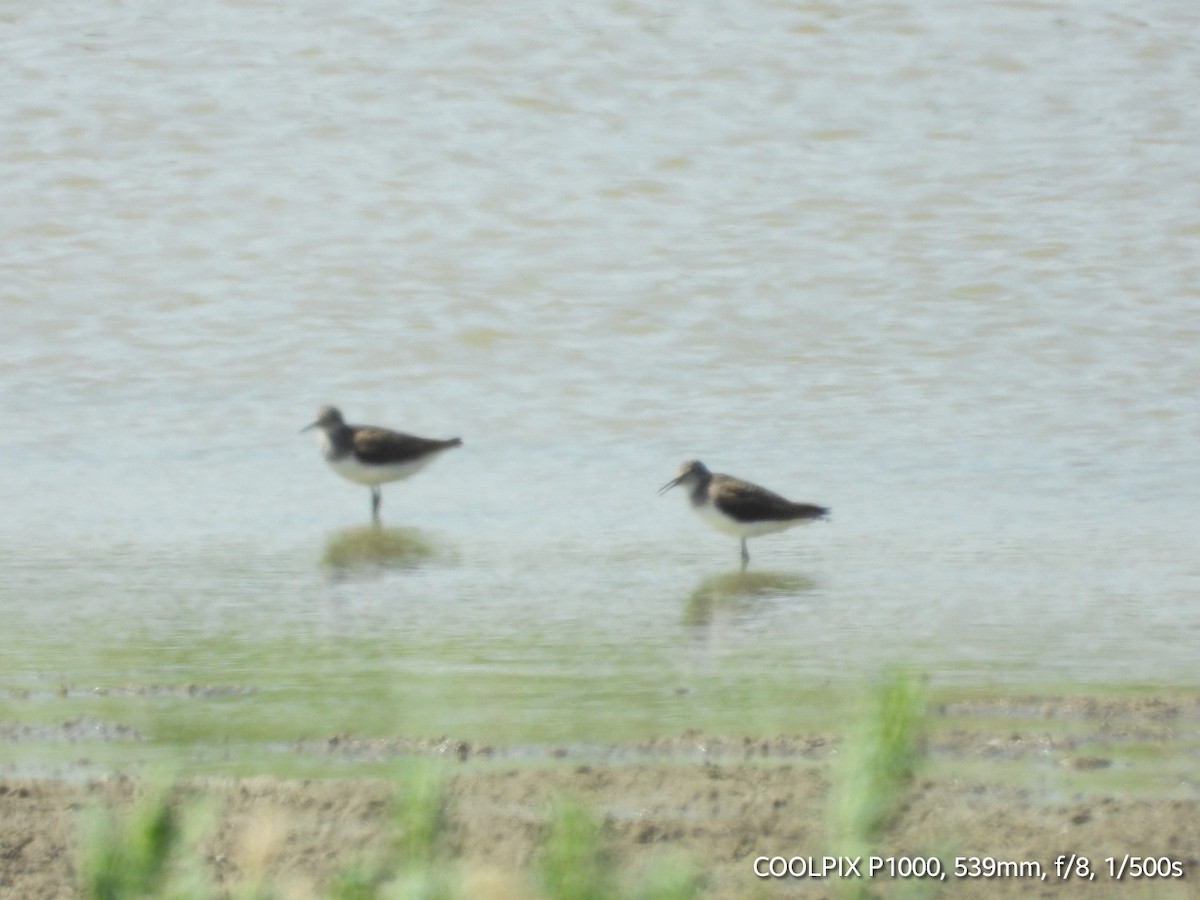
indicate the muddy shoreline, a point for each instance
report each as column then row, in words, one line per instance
column 1004, row 790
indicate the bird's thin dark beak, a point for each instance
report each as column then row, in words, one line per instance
column 309, row 427
column 670, row 484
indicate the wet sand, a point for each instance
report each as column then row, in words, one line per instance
column 1011, row 793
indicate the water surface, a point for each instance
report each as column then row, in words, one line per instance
column 933, row 265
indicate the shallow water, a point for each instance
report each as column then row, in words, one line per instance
column 933, row 265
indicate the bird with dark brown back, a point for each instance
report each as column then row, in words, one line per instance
column 366, row 454
column 738, row 507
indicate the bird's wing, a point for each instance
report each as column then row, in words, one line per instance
column 381, row 446
column 750, row 503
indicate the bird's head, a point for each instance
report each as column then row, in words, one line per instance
column 691, row 473
column 328, row 418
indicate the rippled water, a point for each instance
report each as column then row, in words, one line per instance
column 932, row 264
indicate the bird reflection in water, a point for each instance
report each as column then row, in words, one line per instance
column 371, row 547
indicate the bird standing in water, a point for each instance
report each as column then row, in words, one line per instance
column 373, row 456
column 738, row 507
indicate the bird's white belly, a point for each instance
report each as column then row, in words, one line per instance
column 352, row 470
column 722, row 522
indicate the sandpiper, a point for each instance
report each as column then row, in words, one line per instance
column 373, row 456
column 738, row 507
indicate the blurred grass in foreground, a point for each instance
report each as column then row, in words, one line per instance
column 877, row 765
column 156, row 849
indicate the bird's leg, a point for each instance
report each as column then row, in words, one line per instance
column 376, row 499
column 745, row 555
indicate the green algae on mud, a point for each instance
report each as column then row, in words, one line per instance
column 1059, row 744
column 234, row 699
